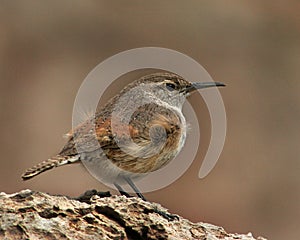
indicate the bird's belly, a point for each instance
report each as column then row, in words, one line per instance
column 105, row 170
column 113, row 170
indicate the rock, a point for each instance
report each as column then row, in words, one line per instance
column 36, row 215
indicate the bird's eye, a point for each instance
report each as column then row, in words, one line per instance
column 170, row 86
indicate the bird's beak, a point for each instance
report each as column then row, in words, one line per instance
column 200, row 85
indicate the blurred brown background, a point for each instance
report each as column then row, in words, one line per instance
column 47, row 49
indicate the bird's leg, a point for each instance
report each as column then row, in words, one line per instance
column 136, row 190
column 168, row 216
column 121, row 190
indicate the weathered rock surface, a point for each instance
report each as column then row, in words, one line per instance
column 37, row 215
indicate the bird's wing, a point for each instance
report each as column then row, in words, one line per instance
column 128, row 145
column 91, row 135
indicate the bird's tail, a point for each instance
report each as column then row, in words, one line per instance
column 49, row 164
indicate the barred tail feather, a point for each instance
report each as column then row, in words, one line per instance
column 49, row 164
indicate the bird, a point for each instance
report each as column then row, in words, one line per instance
column 138, row 131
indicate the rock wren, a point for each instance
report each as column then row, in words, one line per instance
column 156, row 130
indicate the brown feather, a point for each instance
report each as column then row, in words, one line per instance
column 48, row 164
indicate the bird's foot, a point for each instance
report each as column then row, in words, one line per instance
column 123, row 193
column 166, row 215
column 86, row 197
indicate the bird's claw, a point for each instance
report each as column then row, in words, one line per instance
column 166, row 215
